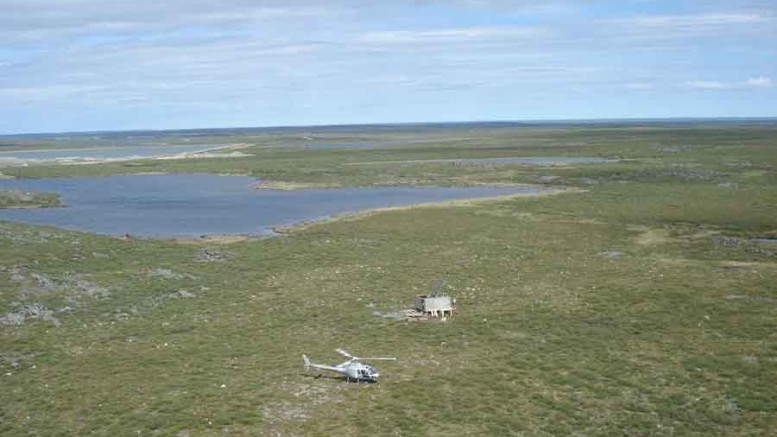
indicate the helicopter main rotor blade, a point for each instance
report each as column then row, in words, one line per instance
column 345, row 353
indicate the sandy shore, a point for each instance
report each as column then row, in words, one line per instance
column 291, row 186
column 206, row 152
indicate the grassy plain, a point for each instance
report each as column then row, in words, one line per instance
column 642, row 305
column 28, row 199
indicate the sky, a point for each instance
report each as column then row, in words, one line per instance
column 85, row 65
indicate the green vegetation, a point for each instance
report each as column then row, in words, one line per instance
column 643, row 305
column 27, row 199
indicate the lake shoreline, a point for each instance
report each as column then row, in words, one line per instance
column 285, row 230
column 205, row 152
column 358, row 215
column 199, row 206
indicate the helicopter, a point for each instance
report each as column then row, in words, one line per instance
column 353, row 369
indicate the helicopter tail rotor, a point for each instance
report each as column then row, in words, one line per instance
column 307, row 362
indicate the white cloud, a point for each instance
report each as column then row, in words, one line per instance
column 35, row 21
column 40, row 94
column 449, row 35
column 696, row 20
column 760, row 82
column 755, row 82
column 638, row 86
column 103, row 56
column 648, row 29
column 708, row 85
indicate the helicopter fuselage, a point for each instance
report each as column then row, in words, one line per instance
column 360, row 372
column 353, row 369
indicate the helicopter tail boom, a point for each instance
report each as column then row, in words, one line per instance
column 309, row 365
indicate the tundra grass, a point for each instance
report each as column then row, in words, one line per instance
column 28, row 199
column 681, row 152
column 640, row 306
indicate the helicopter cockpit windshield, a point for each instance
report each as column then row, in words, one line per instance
column 369, row 372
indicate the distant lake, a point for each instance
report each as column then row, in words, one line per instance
column 102, row 152
column 522, row 160
column 375, row 144
column 197, row 204
column 355, row 145
column 530, row 160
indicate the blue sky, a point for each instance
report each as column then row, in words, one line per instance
column 77, row 65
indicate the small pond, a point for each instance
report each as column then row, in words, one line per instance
column 198, row 204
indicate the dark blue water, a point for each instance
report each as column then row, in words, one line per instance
column 197, row 204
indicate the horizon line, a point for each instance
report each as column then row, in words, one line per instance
column 405, row 123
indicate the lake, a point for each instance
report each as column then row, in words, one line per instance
column 192, row 205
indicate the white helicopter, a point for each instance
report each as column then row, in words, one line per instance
column 353, row 369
